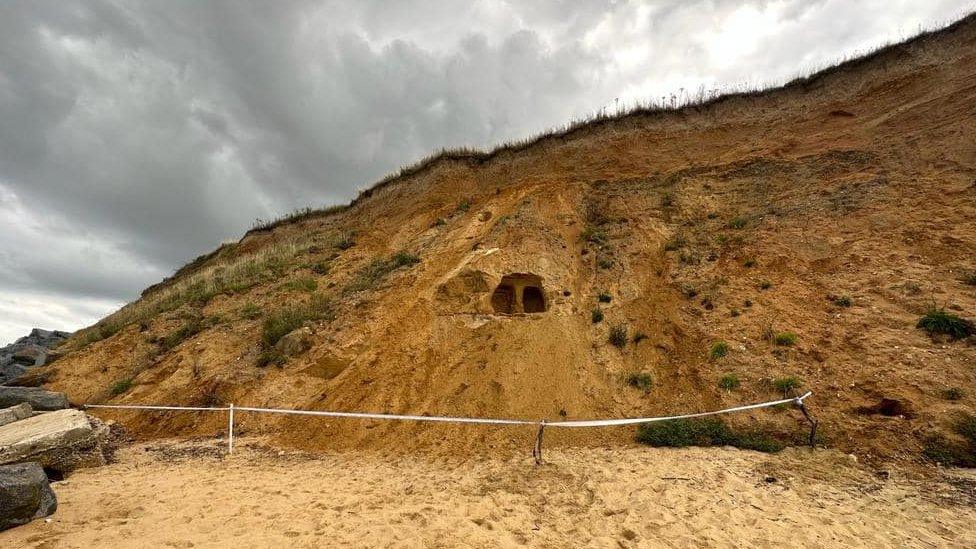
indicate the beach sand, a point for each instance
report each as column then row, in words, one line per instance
column 188, row 494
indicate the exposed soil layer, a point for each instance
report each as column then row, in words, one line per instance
column 808, row 228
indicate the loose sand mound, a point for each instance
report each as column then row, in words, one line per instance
column 185, row 495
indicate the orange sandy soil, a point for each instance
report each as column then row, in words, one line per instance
column 169, row 494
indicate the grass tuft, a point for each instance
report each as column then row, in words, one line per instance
column 729, row 382
column 680, row 433
column 940, row 321
column 787, row 384
column 596, row 316
column 287, row 319
column 641, row 381
column 120, row 386
column 785, row 339
column 604, row 297
column 618, row 336
column 719, row 349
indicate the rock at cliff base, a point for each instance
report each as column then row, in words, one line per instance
column 15, row 413
column 39, row 399
column 60, row 441
column 25, row 494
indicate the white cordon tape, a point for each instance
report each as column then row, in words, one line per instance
column 447, row 419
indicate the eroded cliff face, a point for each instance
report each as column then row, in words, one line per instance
column 837, row 210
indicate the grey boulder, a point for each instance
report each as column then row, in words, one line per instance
column 15, row 413
column 25, row 494
column 39, row 399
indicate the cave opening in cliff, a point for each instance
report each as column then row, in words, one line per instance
column 519, row 293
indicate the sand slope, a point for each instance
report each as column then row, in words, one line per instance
column 185, row 495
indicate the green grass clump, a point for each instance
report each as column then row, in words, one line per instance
column 749, row 263
column 618, row 336
column 729, row 382
column 373, row 273
column 250, row 311
column 604, row 297
column 940, row 321
column 301, row 284
column 953, row 393
column 765, row 285
column 190, row 328
column 286, row 319
column 596, row 316
column 674, row 244
column 604, row 262
column 638, row 337
column 271, row 357
column 954, row 452
column 595, row 236
column 842, row 301
column 320, row 268
column 641, row 381
column 785, row 339
column 719, row 349
column 969, row 278
column 463, row 206
column 120, row 386
column 345, row 242
column 739, row 222
column 787, row 384
column 680, row 433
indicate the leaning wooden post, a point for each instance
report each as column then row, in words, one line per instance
column 813, row 422
column 537, row 450
column 230, row 429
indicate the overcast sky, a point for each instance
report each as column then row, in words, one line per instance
column 135, row 136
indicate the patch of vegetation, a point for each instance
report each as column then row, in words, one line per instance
column 463, row 206
column 190, row 328
column 765, row 285
column 120, row 386
column 250, row 311
column 749, row 263
column 320, row 268
column 604, row 262
column 738, row 222
column 373, row 273
column 785, row 339
column 667, row 200
column 638, row 337
column 956, row 453
column 618, row 336
column 439, row 222
column 953, row 393
column 939, row 321
column 787, row 384
column 596, row 316
column 301, row 284
column 286, row 319
column 734, row 312
column 604, row 297
column 969, row 278
column 729, row 382
column 841, row 300
column 595, row 236
column 719, row 349
column 675, row 243
column 641, row 381
column 680, row 433
column 271, row 357
column 345, row 242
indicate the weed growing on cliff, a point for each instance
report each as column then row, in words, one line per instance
column 286, row 319
column 638, row 337
column 618, row 336
column 120, row 386
column 841, row 300
column 596, row 316
column 969, row 278
column 765, row 285
column 463, row 206
column 953, row 393
column 939, row 321
column 738, row 222
column 785, row 339
column 718, row 350
column 345, row 241
column 680, row 433
column 675, row 243
column 604, row 297
column 641, row 381
column 373, row 273
column 250, row 311
column 320, row 268
column 955, row 453
column 301, row 284
column 729, row 382
column 190, row 328
column 787, row 384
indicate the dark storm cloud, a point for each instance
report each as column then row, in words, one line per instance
column 136, row 135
